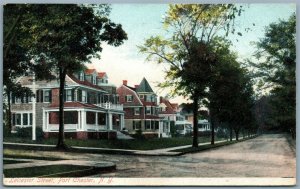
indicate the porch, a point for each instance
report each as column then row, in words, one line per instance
column 83, row 120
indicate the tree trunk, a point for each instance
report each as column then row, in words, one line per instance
column 8, row 112
column 236, row 135
column 195, row 120
column 231, row 133
column 61, row 137
column 212, row 126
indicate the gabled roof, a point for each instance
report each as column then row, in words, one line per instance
column 101, row 74
column 89, row 71
column 86, row 83
column 169, row 108
column 144, row 87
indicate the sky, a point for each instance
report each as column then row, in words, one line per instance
column 141, row 21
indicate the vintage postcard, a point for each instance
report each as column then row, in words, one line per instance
column 149, row 94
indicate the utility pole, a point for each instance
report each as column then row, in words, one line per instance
column 33, row 108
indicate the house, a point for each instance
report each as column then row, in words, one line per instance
column 141, row 109
column 183, row 127
column 91, row 106
column 167, row 114
column 203, row 125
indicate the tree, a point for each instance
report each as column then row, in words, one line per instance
column 16, row 60
column 230, row 98
column 275, row 71
column 191, row 27
column 67, row 36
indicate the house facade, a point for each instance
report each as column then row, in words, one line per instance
column 141, row 109
column 167, row 114
column 91, row 106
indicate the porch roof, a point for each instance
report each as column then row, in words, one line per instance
column 74, row 105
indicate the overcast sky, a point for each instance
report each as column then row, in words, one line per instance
column 140, row 21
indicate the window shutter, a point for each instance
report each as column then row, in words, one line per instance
column 13, row 119
column 79, row 95
column 88, row 97
column 42, row 95
column 50, row 96
column 65, row 94
column 126, row 98
column 13, row 99
column 37, row 96
column 73, row 95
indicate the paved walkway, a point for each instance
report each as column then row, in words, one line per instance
column 156, row 152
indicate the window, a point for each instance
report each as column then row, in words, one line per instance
column 30, row 99
column 90, row 118
column 83, row 96
column 148, row 110
column 118, row 99
column 101, row 119
column 70, row 117
column 136, row 125
column 47, row 94
column 141, row 96
column 18, row 119
column 18, row 100
column 129, row 98
column 156, row 125
column 25, row 119
column 94, row 79
column 81, row 76
column 148, row 124
column 68, row 95
column 30, row 119
column 148, row 98
column 136, row 111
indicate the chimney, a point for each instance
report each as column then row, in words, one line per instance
column 160, row 99
column 136, row 86
column 124, row 82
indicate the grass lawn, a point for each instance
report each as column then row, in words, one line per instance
column 42, row 171
column 135, row 144
column 5, row 161
column 207, row 146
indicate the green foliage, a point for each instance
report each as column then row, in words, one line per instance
column 231, row 95
column 188, row 51
column 275, row 71
column 27, row 133
column 138, row 134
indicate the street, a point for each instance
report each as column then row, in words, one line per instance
column 264, row 156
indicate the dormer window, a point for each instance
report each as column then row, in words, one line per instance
column 94, row 79
column 129, row 98
column 81, row 76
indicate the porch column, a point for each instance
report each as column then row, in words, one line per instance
column 96, row 122
column 83, row 120
column 121, row 121
column 109, row 121
column 79, row 119
column 160, row 123
column 44, row 120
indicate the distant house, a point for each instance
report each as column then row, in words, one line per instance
column 91, row 106
column 141, row 109
column 204, row 125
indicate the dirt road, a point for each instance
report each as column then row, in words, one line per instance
column 264, row 156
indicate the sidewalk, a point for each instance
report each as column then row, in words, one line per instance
column 156, row 152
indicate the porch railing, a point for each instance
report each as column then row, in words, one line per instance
column 109, row 105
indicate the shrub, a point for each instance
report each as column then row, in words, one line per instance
column 27, row 132
column 138, row 134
